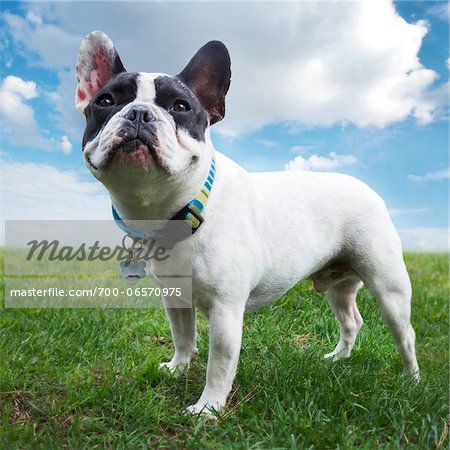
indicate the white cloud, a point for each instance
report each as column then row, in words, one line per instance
column 437, row 175
column 18, row 119
column 34, row 18
column 65, row 145
column 316, row 162
column 317, row 63
column 17, row 86
column 39, row 191
column 49, row 44
column 425, row 239
column 425, row 112
column 441, row 10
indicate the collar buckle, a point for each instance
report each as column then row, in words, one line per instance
column 183, row 213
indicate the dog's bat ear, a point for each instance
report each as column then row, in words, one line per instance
column 97, row 63
column 208, row 74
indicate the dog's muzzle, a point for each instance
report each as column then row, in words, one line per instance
column 138, row 128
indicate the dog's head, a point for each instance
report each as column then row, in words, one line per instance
column 148, row 122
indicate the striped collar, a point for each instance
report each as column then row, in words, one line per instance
column 190, row 215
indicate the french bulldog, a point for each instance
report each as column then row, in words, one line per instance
column 147, row 139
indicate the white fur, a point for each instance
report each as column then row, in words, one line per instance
column 146, row 87
column 263, row 233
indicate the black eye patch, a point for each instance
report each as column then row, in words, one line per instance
column 123, row 90
column 170, row 90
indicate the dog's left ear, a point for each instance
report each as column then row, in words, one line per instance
column 208, row 74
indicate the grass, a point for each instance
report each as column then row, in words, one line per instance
column 88, row 378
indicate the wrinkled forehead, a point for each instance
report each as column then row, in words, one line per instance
column 148, row 87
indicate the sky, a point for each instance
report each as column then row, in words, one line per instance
column 358, row 88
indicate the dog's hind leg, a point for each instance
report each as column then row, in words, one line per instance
column 383, row 271
column 342, row 300
column 391, row 286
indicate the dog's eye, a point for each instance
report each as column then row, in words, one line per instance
column 105, row 100
column 180, row 106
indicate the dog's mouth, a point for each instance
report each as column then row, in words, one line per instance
column 135, row 152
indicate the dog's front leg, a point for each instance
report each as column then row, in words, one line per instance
column 225, row 334
column 183, row 327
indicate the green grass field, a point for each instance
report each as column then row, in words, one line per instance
column 88, row 378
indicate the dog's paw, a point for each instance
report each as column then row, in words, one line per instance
column 342, row 350
column 173, row 367
column 413, row 375
column 179, row 364
column 336, row 356
column 203, row 411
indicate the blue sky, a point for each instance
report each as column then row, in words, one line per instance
column 365, row 95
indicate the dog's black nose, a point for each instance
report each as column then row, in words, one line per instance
column 139, row 114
